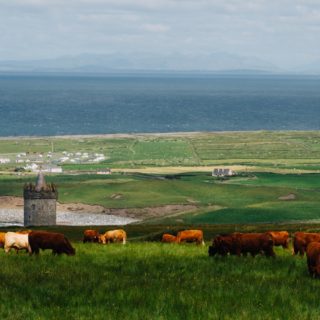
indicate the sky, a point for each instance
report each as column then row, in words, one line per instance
column 285, row 33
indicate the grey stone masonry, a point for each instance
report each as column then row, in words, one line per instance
column 40, row 203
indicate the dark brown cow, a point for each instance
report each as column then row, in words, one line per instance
column 280, row 238
column 242, row 243
column 254, row 243
column 168, row 238
column 90, row 236
column 223, row 244
column 301, row 241
column 50, row 240
column 190, row 236
column 313, row 259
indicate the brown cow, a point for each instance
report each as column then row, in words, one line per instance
column 24, row 231
column 254, row 243
column 190, row 236
column 168, row 238
column 90, row 236
column 50, row 240
column 242, row 243
column 223, row 244
column 280, row 238
column 301, row 241
column 313, row 259
column 2, row 238
column 118, row 235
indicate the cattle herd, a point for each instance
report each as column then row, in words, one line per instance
column 236, row 243
column 33, row 241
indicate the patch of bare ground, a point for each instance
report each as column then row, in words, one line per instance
column 10, row 202
column 290, row 196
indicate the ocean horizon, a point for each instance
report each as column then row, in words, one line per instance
column 61, row 105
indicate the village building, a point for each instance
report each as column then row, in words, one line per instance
column 223, row 172
column 40, row 203
column 105, row 171
column 4, row 160
column 51, row 169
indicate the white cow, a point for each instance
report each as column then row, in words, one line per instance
column 17, row 241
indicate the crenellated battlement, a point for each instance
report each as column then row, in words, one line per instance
column 49, row 191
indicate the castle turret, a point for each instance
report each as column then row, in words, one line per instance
column 40, row 203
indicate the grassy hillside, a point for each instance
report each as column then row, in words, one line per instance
column 155, row 281
column 248, row 199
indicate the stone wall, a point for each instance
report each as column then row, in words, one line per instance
column 40, row 212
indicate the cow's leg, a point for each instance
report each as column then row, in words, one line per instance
column 7, row 249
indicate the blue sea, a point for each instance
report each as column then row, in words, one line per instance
column 45, row 105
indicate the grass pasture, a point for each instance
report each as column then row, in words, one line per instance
column 271, row 150
column 146, row 280
column 255, row 198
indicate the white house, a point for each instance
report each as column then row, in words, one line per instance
column 106, row 171
column 5, row 160
column 223, row 172
column 51, row 169
column 33, row 167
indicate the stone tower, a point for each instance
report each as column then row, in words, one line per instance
column 40, row 203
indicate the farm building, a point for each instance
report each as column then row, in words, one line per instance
column 106, row 171
column 4, row 160
column 223, row 172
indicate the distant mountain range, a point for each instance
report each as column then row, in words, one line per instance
column 145, row 62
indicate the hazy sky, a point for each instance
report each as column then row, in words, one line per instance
column 284, row 32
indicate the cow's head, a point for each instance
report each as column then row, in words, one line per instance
column 71, row 252
column 102, row 239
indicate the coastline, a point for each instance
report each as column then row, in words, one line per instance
column 147, row 134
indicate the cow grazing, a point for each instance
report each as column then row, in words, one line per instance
column 190, row 236
column 24, row 231
column 254, row 243
column 242, row 243
column 111, row 236
column 223, row 244
column 57, row 242
column 16, row 241
column 280, row 238
column 313, row 259
column 90, row 236
column 301, row 241
column 168, row 238
column 2, row 234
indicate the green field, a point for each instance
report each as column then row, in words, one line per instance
column 272, row 165
column 144, row 280
column 255, row 198
column 275, row 150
